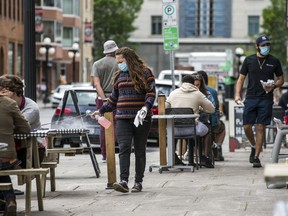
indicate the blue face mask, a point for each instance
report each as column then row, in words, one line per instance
column 264, row 50
column 123, row 66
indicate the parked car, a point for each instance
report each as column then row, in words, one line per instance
column 162, row 87
column 178, row 75
column 72, row 120
column 58, row 93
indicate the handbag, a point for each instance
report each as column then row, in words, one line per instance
column 201, row 129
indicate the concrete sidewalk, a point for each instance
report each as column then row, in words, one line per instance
column 233, row 187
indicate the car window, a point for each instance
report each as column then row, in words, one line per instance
column 169, row 76
column 164, row 89
column 84, row 99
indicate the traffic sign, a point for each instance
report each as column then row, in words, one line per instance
column 169, row 15
column 171, row 38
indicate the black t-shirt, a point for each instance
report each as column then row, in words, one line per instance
column 251, row 67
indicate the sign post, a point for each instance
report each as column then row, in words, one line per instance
column 170, row 32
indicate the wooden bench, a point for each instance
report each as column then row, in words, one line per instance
column 39, row 172
column 66, row 151
column 5, row 186
column 51, row 166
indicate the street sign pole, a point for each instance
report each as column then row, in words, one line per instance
column 170, row 32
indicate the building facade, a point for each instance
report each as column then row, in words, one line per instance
column 64, row 22
column 11, row 37
column 204, row 26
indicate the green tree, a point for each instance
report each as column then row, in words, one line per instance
column 274, row 25
column 113, row 20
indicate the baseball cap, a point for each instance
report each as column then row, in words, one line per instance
column 110, row 46
column 262, row 40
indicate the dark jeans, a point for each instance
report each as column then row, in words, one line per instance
column 21, row 155
column 6, row 194
column 126, row 132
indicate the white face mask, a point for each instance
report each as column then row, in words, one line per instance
column 123, row 66
column 264, row 50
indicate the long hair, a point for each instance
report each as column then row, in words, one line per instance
column 136, row 68
column 202, row 87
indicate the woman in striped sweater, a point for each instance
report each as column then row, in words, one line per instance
column 132, row 97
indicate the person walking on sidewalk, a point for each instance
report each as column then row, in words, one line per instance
column 132, row 97
column 260, row 67
column 102, row 72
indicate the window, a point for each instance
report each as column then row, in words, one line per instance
column 11, row 58
column 48, row 30
column 71, row 7
column 253, row 25
column 37, row 2
column 58, row 35
column 49, row 3
column 68, row 6
column 67, row 37
column 19, row 60
column 156, row 28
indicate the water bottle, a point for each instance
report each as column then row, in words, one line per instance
column 103, row 121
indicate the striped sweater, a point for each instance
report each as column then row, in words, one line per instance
column 126, row 100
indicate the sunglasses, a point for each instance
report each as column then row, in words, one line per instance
column 197, row 77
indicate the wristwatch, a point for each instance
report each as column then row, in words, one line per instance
column 274, row 86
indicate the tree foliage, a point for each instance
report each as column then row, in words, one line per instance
column 274, row 25
column 113, row 20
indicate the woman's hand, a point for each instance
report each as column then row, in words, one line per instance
column 95, row 114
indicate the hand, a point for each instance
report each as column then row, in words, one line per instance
column 268, row 88
column 95, row 115
column 141, row 114
column 238, row 100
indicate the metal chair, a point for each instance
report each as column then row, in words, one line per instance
column 278, row 113
column 186, row 129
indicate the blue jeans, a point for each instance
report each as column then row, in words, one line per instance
column 126, row 132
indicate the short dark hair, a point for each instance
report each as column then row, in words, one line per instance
column 188, row 79
column 204, row 75
column 13, row 83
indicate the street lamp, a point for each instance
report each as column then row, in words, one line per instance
column 46, row 48
column 73, row 53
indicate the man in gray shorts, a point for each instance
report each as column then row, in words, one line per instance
column 102, row 73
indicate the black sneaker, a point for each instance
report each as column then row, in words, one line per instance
column 137, row 187
column 121, row 187
column 252, row 155
column 218, row 156
column 206, row 162
column 256, row 162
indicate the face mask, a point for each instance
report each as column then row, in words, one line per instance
column 264, row 50
column 123, row 66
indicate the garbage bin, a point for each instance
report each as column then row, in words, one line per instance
column 229, row 93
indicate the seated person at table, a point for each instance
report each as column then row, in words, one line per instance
column 218, row 126
column 29, row 109
column 12, row 121
column 189, row 95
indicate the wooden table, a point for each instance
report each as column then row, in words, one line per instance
column 171, row 141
